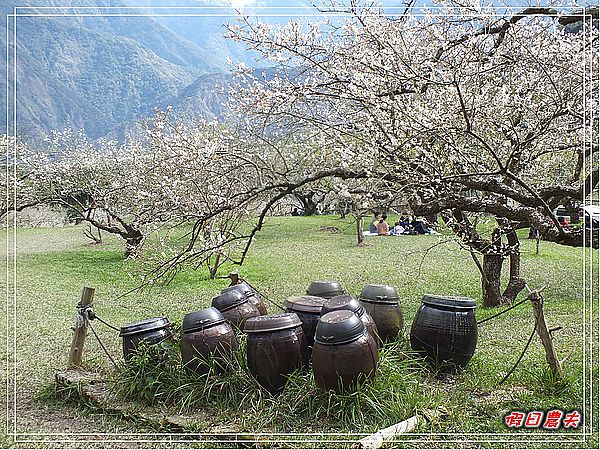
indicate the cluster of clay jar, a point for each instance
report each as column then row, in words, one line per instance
column 333, row 333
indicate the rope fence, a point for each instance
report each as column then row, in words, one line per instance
column 87, row 314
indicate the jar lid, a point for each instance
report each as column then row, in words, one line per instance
column 342, row 302
column 379, row 293
column 449, row 301
column 272, row 322
column 228, row 300
column 143, row 326
column 326, row 289
column 304, row 303
column 243, row 287
column 339, row 327
column 202, row 319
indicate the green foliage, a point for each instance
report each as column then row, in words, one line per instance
column 149, row 373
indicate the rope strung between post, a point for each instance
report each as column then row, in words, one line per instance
column 106, row 323
column 87, row 314
column 102, row 345
column 526, row 345
column 90, row 314
column 502, row 312
column 264, row 296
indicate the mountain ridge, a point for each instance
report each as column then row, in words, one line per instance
column 94, row 73
column 103, row 74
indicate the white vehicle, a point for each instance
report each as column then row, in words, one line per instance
column 592, row 216
column 560, row 210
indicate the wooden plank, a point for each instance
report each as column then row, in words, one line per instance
column 377, row 440
column 80, row 329
column 544, row 333
column 71, row 377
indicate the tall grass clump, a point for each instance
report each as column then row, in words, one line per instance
column 155, row 375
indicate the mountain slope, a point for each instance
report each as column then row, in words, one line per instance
column 103, row 69
column 95, row 72
column 89, row 79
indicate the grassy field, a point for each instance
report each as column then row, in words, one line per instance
column 53, row 265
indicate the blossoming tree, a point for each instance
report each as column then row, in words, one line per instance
column 161, row 182
column 467, row 111
column 464, row 112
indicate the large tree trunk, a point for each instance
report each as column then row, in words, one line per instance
column 494, row 253
column 515, row 283
column 309, row 205
column 343, row 212
column 133, row 244
column 214, row 267
column 490, row 280
column 360, row 237
column 492, row 269
column 574, row 213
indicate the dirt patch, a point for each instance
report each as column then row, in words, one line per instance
column 499, row 397
column 330, row 229
column 57, row 425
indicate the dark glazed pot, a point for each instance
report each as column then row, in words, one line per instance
column 344, row 352
column 308, row 310
column 250, row 294
column 149, row 331
column 235, row 307
column 276, row 348
column 325, row 289
column 383, row 305
column 206, row 335
column 349, row 303
column 445, row 330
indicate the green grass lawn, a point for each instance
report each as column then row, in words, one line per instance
column 54, row 264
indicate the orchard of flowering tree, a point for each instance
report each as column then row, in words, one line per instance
column 486, row 121
column 458, row 111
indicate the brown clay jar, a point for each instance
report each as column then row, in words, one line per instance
column 235, row 307
column 146, row 332
column 444, row 331
column 276, row 347
column 381, row 302
column 325, row 289
column 344, row 352
column 250, row 294
column 207, row 340
column 349, row 303
column 308, row 310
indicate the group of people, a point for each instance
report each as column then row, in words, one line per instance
column 403, row 226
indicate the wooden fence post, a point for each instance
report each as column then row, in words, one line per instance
column 545, row 336
column 80, row 329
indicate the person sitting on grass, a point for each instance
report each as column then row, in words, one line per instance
column 373, row 224
column 419, row 227
column 383, row 229
column 397, row 230
column 403, row 222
